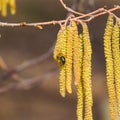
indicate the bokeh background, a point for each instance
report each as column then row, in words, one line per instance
column 43, row 101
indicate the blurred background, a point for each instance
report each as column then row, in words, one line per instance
column 19, row 44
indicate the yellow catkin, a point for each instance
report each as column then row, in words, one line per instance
column 62, row 80
column 69, row 59
column 86, row 75
column 79, row 101
column 60, row 51
column 76, row 63
column 12, row 6
column 118, row 22
column 4, row 4
column 109, row 67
column 4, row 7
column 79, row 87
column 116, row 60
column 0, row 5
column 57, row 48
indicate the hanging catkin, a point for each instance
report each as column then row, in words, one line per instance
column 12, row 6
column 109, row 67
column 76, row 57
column 59, row 56
column 57, row 48
column 116, row 60
column 4, row 7
column 79, row 86
column 4, row 4
column 86, row 75
column 69, row 58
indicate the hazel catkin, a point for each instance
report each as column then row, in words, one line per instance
column 69, row 56
column 12, row 6
column 4, row 4
column 59, row 53
column 86, row 75
column 109, row 66
column 116, row 61
column 76, row 63
column 79, row 86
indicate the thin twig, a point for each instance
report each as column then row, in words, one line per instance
column 27, row 64
column 95, row 13
column 4, row 67
column 28, row 83
column 69, row 9
column 103, row 11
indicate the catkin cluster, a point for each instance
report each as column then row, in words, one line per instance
column 112, row 57
column 4, row 4
column 73, row 53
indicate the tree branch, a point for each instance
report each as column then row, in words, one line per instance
column 96, row 13
column 74, row 7
column 28, row 83
column 27, row 64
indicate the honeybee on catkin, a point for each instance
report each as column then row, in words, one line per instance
column 73, row 53
column 60, row 56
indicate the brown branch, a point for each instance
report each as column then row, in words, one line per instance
column 4, row 67
column 27, row 64
column 29, row 83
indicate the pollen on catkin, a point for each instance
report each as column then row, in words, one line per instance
column 116, row 62
column 79, row 86
column 86, row 73
column 76, row 63
column 109, row 67
column 69, row 59
column 60, row 51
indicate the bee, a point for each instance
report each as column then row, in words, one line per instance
column 61, row 59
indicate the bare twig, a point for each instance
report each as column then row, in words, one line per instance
column 73, row 7
column 4, row 67
column 29, row 83
column 27, row 64
column 95, row 13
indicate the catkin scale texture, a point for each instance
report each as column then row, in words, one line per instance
column 76, row 63
column 116, row 60
column 57, row 48
column 60, row 50
column 109, row 67
column 79, row 86
column 69, row 59
column 86, row 75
